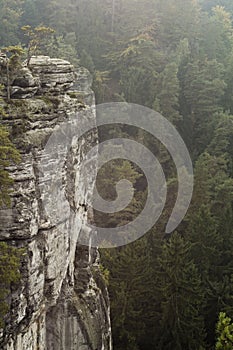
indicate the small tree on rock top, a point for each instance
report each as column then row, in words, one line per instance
column 37, row 38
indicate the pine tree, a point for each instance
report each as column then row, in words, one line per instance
column 202, row 89
column 210, row 230
column 12, row 66
column 131, row 292
column 171, row 30
column 214, row 186
column 167, row 98
column 136, row 61
column 10, row 12
column 30, row 13
column 217, row 37
column 227, row 99
column 206, row 240
column 181, row 298
column 37, row 37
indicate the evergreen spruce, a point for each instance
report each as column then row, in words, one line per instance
column 181, row 296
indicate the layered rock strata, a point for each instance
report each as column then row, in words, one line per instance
column 61, row 302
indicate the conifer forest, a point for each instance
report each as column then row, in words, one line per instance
column 167, row 291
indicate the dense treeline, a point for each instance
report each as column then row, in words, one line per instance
column 176, row 57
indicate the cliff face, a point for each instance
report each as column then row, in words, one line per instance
column 62, row 301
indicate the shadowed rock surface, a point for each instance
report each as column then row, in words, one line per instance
column 62, row 302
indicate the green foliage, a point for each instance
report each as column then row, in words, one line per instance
column 62, row 46
column 105, row 274
column 227, row 99
column 218, row 39
column 167, row 98
column 37, row 37
column 10, row 12
column 136, row 62
column 215, row 186
column 87, row 61
column 30, row 13
column 9, row 274
column 100, row 79
column 206, row 241
column 107, row 179
column 203, row 86
column 130, row 286
column 208, row 5
column 179, row 19
column 182, row 326
column 224, row 332
column 8, row 156
column 174, row 56
column 13, row 65
column 9, row 256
